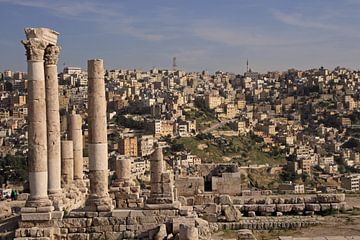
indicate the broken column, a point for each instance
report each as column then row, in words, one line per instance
column 53, row 121
column 123, row 172
column 75, row 134
column 124, row 190
column 161, row 181
column 98, row 199
column 67, row 162
column 37, row 40
column 156, row 169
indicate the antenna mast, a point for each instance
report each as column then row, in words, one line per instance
column 174, row 63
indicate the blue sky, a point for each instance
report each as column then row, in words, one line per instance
column 202, row 34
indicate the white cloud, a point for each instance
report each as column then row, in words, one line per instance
column 242, row 36
column 65, row 8
column 327, row 21
column 299, row 20
column 107, row 18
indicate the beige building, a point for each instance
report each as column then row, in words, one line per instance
column 351, row 182
column 212, row 101
column 241, row 104
column 241, row 127
column 230, row 111
column 305, row 165
column 163, row 128
column 128, row 146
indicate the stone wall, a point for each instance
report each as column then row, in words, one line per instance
column 118, row 224
column 272, row 223
column 223, row 208
column 189, row 186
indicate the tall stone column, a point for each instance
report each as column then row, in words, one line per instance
column 37, row 139
column 67, row 162
column 75, row 134
column 53, row 120
column 99, row 199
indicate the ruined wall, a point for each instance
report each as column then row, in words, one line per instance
column 228, row 183
column 118, row 224
column 223, row 208
column 189, row 186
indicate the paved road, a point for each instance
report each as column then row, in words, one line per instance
column 217, row 125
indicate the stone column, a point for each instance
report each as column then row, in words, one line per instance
column 156, row 169
column 37, row 140
column 53, row 120
column 75, row 134
column 123, row 172
column 161, row 181
column 99, row 199
column 67, row 162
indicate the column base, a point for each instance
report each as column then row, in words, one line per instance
column 37, row 210
column 38, row 202
column 98, row 204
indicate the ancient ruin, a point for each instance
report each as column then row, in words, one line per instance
column 175, row 208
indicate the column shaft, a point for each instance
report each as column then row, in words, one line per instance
column 53, row 120
column 37, row 131
column 98, row 152
column 75, row 134
column 37, row 139
column 156, row 169
column 123, row 169
column 67, row 162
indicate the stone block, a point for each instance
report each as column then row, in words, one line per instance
column 252, row 207
column 210, row 217
column 185, row 210
column 313, row 207
column 114, row 235
column 76, row 214
column 267, row 208
column 121, row 213
column 74, row 222
column 129, row 235
column 57, row 215
column 28, row 210
column 45, row 209
column 36, row 216
column 100, row 221
column 325, row 206
column 225, row 200
column 212, row 208
column 105, row 214
column 284, row 207
column 331, row 198
column 298, row 207
column 232, row 214
column 181, row 220
column 188, row 232
column 91, row 214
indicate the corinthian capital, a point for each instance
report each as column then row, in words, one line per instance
column 52, row 55
column 35, row 49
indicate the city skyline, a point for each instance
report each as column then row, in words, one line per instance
column 274, row 35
